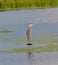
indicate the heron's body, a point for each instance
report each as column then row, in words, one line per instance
column 28, row 33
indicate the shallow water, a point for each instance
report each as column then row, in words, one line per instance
column 9, row 46
column 17, row 21
column 36, row 58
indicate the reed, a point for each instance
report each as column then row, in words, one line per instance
column 26, row 4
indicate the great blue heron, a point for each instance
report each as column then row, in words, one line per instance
column 28, row 33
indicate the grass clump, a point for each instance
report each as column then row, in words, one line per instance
column 6, row 31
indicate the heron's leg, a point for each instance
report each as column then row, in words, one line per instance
column 29, row 40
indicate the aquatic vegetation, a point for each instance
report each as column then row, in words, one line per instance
column 22, row 4
column 6, row 31
column 48, row 39
column 44, row 39
column 32, row 49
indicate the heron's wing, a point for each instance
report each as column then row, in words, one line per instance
column 27, row 31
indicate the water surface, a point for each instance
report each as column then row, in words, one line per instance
column 17, row 21
column 43, row 58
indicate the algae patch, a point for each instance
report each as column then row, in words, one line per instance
column 6, row 31
column 32, row 49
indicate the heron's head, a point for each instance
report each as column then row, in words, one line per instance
column 30, row 25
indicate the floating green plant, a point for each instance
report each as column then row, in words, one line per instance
column 6, row 31
column 32, row 49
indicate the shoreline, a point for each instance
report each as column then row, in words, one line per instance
column 33, row 8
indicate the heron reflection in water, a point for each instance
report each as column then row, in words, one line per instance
column 28, row 33
column 30, row 58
